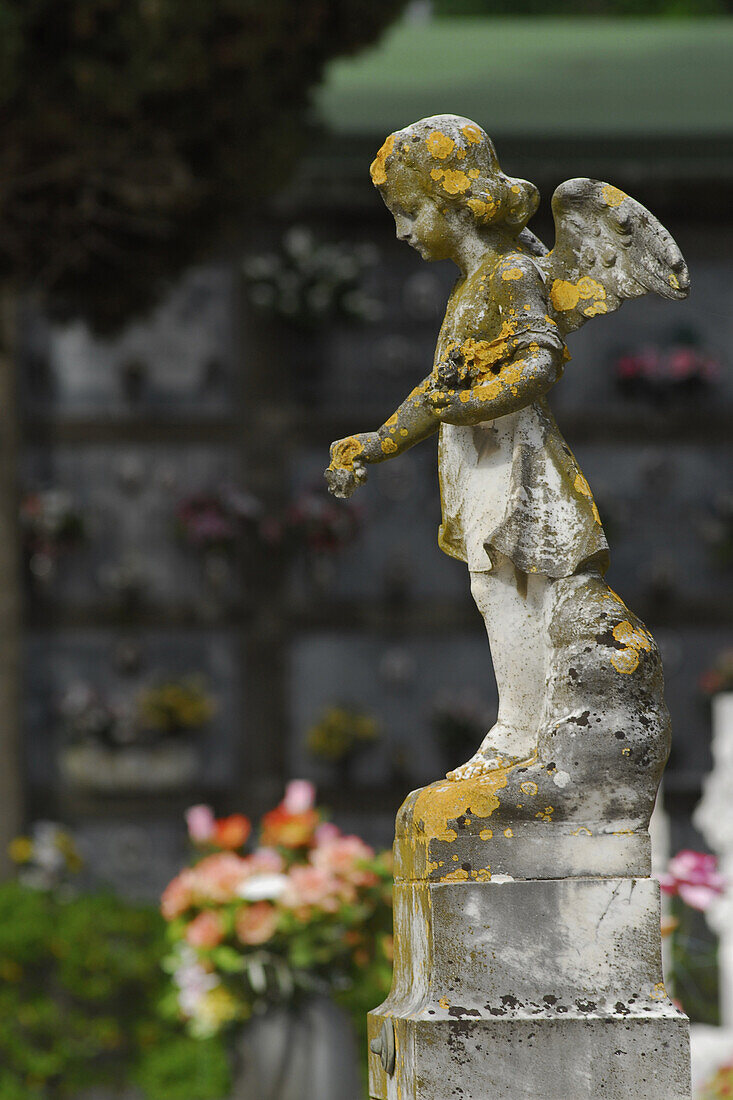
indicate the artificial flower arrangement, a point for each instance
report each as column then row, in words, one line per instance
column 694, row 878
column 340, row 735
column 660, row 373
column 307, row 282
column 692, row 882
column 176, row 705
column 51, row 524
column 215, row 519
column 303, row 910
column 143, row 742
column 166, row 708
column 312, row 522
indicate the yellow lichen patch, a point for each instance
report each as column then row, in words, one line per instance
column 444, row 1003
column 528, row 787
column 473, row 173
column 626, row 751
column 483, row 209
column 404, row 431
column 440, row 804
column 486, row 834
column 345, row 453
column 635, row 639
column 508, row 833
column 582, row 831
column 516, row 189
column 378, row 169
column 596, row 308
column 439, row 144
column 459, row 875
column 659, row 991
column 673, row 281
column 472, row 133
column 510, row 273
column 389, row 447
column 391, row 420
column 461, row 154
column 613, row 196
column 455, row 181
column 581, row 486
column 565, row 295
column 483, row 874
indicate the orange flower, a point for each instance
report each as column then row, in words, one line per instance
column 255, row 924
column 205, row 930
column 178, row 895
column 231, row 832
column 281, row 829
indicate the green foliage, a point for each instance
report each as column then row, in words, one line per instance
column 451, row 8
column 185, row 1069
column 135, row 130
column 694, row 969
column 80, row 984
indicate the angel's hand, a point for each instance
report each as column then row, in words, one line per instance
column 349, row 458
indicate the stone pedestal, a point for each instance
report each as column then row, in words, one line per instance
column 527, row 956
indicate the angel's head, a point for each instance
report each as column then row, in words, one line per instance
column 441, row 177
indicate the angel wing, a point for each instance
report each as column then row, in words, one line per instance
column 608, row 247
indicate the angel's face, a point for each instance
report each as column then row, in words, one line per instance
column 418, row 219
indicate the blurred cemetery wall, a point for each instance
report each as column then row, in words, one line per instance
column 176, row 530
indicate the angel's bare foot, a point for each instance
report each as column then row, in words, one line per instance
column 479, row 764
column 516, row 745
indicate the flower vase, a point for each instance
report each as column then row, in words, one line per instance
column 297, row 1053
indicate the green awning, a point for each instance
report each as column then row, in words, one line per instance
column 563, row 77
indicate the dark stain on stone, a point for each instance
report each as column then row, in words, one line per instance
column 621, row 735
column 583, row 720
column 457, row 1012
column 607, row 638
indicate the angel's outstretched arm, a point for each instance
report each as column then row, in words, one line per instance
column 415, row 419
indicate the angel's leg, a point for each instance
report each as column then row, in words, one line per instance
column 513, row 609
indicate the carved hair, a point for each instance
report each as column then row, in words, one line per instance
column 455, row 162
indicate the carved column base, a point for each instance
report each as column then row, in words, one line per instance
column 525, row 969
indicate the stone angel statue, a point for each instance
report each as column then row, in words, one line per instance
column 579, row 676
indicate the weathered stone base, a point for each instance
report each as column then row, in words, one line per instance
column 597, row 1057
column 535, row 989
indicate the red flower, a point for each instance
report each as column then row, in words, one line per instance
column 281, row 829
column 231, row 832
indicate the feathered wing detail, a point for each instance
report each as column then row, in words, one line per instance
column 608, row 247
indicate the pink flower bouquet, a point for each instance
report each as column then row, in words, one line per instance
column 305, row 909
column 693, row 877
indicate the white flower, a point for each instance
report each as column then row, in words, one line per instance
column 263, row 887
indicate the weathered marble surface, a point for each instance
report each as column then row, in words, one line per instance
column 527, row 954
